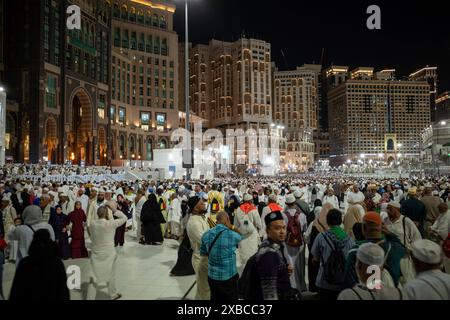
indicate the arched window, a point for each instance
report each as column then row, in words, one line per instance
column 148, row 19
column 155, row 20
column 162, row 23
column 162, row 143
column 116, row 11
column 149, row 149
column 132, row 145
column 132, row 15
column 122, row 144
column 124, row 12
column 390, row 144
column 140, row 17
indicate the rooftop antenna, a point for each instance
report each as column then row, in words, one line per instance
column 321, row 59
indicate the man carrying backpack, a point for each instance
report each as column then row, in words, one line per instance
column 266, row 276
column 296, row 223
column 330, row 249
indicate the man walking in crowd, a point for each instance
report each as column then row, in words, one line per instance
column 415, row 210
column 393, row 248
column 367, row 256
column 331, row 243
column 219, row 244
column 248, row 222
column 431, row 203
column 103, row 254
column 272, row 267
column 407, row 233
column 196, row 227
column 431, row 283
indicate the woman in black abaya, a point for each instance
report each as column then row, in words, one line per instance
column 151, row 218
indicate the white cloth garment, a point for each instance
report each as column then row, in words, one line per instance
column 103, row 254
column 249, row 226
column 333, row 200
column 429, row 285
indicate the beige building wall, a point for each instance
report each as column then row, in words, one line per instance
column 144, row 77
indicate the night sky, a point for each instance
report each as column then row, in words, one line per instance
column 413, row 34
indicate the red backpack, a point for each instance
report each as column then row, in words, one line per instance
column 446, row 246
column 294, row 231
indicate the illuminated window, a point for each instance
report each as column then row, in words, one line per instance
column 160, row 121
column 122, row 115
column 145, row 121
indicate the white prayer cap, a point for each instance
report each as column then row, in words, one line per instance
column 370, row 254
column 435, row 193
column 181, row 188
column 395, row 204
column 94, row 189
column 63, row 194
column 6, row 197
column 273, row 198
column 248, row 197
column 427, row 251
column 298, row 194
column 108, row 191
column 60, row 190
column 290, row 199
column 53, row 193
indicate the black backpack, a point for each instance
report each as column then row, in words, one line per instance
column 334, row 268
column 249, row 284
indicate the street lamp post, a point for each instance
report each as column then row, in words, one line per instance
column 186, row 77
column 2, row 125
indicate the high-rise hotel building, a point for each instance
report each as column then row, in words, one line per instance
column 144, row 78
column 295, row 107
column 230, row 85
column 376, row 119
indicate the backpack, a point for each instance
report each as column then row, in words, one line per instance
column 446, row 246
column 215, row 206
column 162, row 204
column 249, row 284
column 334, row 268
column 294, row 231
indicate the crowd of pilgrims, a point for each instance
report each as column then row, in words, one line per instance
column 321, row 220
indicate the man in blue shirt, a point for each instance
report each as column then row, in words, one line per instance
column 220, row 244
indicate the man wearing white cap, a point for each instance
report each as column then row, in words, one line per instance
column 84, row 199
column 66, row 204
column 248, row 222
column 431, row 283
column 296, row 222
column 370, row 288
column 405, row 229
column 331, row 198
column 431, row 202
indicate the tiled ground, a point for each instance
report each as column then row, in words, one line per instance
column 142, row 273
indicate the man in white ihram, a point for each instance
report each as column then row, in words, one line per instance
column 103, row 254
column 430, row 283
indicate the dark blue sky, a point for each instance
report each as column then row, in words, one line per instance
column 413, row 34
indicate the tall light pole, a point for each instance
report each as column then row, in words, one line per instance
column 186, row 80
column 2, row 125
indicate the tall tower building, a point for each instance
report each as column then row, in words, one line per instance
column 59, row 80
column 144, row 78
column 373, row 120
column 295, row 107
column 429, row 75
column 231, row 84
